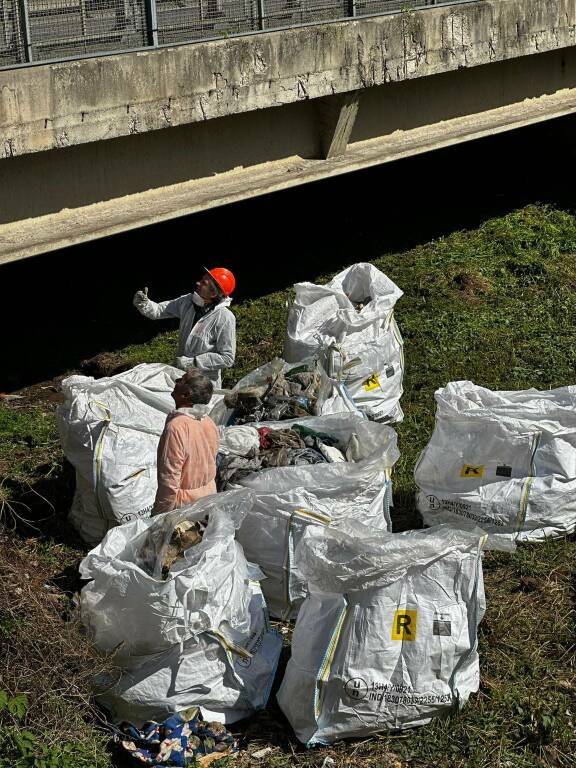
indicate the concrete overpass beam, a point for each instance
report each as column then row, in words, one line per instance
column 97, row 146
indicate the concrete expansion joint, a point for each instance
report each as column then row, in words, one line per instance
column 492, row 43
column 456, row 33
column 302, row 86
column 201, row 100
column 133, row 126
column 519, row 33
column 9, row 148
column 166, row 109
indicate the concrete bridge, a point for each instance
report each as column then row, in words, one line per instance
column 101, row 144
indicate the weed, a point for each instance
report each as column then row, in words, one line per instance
column 20, row 748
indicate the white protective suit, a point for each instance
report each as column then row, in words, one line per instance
column 210, row 344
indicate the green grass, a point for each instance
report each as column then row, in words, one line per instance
column 29, row 439
column 21, row 748
column 496, row 305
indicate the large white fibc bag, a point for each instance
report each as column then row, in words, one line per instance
column 199, row 636
column 503, row 460
column 289, row 499
column 228, row 684
column 360, row 351
column 109, row 430
column 387, row 636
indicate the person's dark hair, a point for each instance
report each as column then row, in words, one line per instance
column 199, row 387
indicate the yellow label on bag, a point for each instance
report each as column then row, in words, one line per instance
column 372, row 382
column 404, row 625
column 468, row 470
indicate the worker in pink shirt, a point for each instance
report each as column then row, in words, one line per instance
column 188, row 446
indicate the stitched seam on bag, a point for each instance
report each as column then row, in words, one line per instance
column 286, row 565
column 526, row 488
column 98, row 457
column 328, row 659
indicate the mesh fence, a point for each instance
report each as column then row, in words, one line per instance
column 368, row 7
column 43, row 30
column 12, row 46
column 288, row 13
column 62, row 28
column 181, row 20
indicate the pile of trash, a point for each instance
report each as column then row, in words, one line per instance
column 343, row 353
column 184, row 738
column 247, row 449
column 348, row 325
column 387, row 636
column 184, row 536
column 190, row 630
column 503, row 460
column 289, row 499
column 274, row 392
column 154, row 549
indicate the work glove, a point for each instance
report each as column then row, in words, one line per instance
column 184, row 362
column 141, row 298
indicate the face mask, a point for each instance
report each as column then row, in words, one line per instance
column 198, row 300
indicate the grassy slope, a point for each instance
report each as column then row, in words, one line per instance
column 497, row 306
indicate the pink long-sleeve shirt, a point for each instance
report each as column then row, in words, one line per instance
column 186, row 460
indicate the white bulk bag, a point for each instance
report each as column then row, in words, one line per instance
column 503, row 460
column 198, row 637
column 228, row 685
column 289, row 499
column 203, row 590
column 387, row 636
column 361, row 352
column 109, row 430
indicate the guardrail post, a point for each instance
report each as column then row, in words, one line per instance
column 24, row 27
column 151, row 22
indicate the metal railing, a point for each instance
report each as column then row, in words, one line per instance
column 34, row 31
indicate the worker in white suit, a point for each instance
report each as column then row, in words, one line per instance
column 207, row 337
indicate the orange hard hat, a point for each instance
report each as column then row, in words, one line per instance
column 223, row 278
